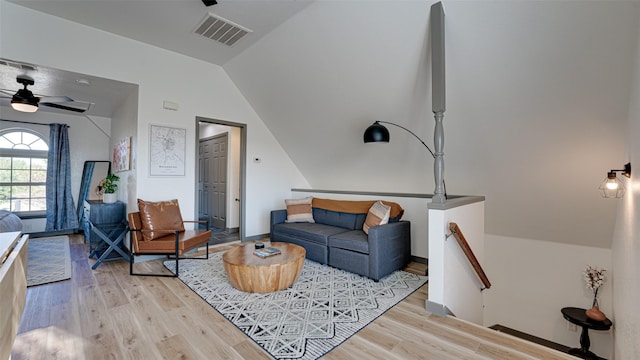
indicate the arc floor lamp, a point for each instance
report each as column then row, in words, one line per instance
column 378, row 133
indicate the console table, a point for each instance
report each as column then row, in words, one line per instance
column 13, row 287
column 579, row 317
column 105, row 227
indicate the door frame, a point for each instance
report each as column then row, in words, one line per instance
column 243, row 168
column 226, row 184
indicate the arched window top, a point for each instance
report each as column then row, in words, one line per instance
column 22, row 139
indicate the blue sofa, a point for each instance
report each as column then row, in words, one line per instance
column 337, row 239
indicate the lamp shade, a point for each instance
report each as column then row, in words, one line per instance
column 612, row 187
column 24, row 101
column 376, row 133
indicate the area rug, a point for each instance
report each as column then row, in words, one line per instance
column 321, row 310
column 49, row 260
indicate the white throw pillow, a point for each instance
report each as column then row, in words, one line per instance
column 378, row 215
column 299, row 210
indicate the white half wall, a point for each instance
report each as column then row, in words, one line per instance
column 532, row 280
column 453, row 282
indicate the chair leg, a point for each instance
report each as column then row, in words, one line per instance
column 131, row 254
column 145, row 274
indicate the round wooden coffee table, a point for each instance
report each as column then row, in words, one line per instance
column 251, row 273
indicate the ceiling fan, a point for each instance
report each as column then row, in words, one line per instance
column 24, row 100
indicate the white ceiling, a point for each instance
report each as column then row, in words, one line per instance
column 168, row 24
column 537, row 95
column 103, row 95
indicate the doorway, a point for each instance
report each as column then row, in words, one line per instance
column 220, row 177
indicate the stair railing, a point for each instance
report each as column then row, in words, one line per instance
column 466, row 249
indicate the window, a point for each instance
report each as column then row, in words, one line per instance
column 23, row 171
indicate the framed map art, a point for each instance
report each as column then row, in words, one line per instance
column 167, row 149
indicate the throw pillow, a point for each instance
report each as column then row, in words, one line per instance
column 161, row 215
column 299, row 210
column 378, row 215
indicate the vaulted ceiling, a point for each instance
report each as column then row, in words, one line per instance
column 537, row 91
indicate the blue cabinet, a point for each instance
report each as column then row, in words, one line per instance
column 105, row 228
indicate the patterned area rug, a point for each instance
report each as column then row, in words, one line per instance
column 321, row 310
column 49, row 260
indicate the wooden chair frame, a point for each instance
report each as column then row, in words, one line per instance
column 169, row 255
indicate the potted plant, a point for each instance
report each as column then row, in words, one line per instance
column 108, row 187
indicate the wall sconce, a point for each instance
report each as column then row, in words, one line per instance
column 612, row 187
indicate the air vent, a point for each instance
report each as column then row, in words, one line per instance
column 18, row 65
column 221, row 30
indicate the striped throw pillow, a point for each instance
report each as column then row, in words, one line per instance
column 299, row 210
column 378, row 215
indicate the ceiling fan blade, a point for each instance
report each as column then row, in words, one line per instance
column 55, row 99
column 62, row 107
column 6, row 101
column 7, row 92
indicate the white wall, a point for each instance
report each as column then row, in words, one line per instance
column 626, row 239
column 537, row 96
column 415, row 211
column 532, row 280
column 124, row 125
column 87, row 142
column 201, row 89
column 452, row 280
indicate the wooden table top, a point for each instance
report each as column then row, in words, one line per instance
column 579, row 317
column 244, row 256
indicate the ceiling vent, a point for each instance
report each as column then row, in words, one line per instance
column 221, row 30
column 18, row 65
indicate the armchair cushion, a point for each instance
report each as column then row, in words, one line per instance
column 158, row 217
column 187, row 240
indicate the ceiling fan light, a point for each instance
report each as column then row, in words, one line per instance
column 24, row 101
column 24, row 106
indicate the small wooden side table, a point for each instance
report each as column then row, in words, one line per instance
column 577, row 316
column 251, row 273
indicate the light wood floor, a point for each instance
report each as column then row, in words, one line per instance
column 107, row 314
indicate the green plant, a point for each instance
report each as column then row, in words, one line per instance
column 109, row 185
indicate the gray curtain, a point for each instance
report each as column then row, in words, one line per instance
column 61, row 214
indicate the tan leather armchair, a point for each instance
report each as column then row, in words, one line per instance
column 158, row 229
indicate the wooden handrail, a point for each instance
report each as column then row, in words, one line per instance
column 464, row 245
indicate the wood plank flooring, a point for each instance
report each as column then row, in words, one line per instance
column 107, row 314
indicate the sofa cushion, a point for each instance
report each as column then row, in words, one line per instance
column 354, row 240
column 161, row 215
column 318, row 233
column 299, row 210
column 378, row 215
column 340, row 219
column 9, row 221
column 354, row 206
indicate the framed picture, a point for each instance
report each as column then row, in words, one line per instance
column 122, row 155
column 167, row 150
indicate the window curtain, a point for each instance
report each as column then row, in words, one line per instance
column 61, row 214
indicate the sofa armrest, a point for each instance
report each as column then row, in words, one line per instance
column 389, row 248
column 277, row 217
